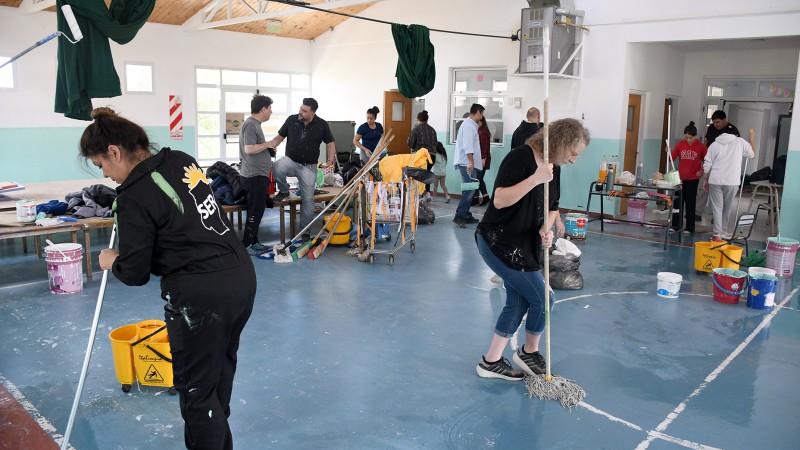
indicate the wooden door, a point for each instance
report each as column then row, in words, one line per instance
column 631, row 141
column 397, row 116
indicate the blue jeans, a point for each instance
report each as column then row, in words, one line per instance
column 307, row 178
column 524, row 294
column 462, row 210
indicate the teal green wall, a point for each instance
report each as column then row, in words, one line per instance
column 575, row 179
column 790, row 202
column 32, row 155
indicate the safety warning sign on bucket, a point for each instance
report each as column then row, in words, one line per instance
column 175, row 117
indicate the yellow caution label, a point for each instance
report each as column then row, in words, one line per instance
column 153, row 375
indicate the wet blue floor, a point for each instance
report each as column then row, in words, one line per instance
column 347, row 355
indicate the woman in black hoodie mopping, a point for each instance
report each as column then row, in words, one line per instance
column 171, row 226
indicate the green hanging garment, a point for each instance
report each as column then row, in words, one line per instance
column 416, row 70
column 86, row 69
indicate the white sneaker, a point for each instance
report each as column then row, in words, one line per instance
column 496, row 279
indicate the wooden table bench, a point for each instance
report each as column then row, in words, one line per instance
column 293, row 203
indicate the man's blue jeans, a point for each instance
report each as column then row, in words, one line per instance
column 524, row 294
column 307, row 178
column 462, row 210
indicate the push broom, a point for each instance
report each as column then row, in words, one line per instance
column 548, row 386
column 92, row 333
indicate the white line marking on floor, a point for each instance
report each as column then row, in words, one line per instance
column 610, row 417
column 713, row 375
column 44, row 424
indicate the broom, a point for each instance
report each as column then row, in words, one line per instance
column 282, row 251
column 547, row 386
column 92, row 334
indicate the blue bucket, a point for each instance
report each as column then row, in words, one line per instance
column 575, row 226
column 761, row 291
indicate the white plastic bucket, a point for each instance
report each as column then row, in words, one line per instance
column 760, row 271
column 26, row 211
column 65, row 267
column 669, row 284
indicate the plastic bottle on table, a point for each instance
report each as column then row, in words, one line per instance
column 601, row 175
column 640, row 173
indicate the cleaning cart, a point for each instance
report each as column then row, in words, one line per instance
column 394, row 204
column 141, row 353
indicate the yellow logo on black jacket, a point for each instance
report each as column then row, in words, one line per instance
column 206, row 204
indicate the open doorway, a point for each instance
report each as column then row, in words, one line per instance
column 764, row 118
column 631, row 141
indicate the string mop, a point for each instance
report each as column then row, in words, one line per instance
column 548, row 386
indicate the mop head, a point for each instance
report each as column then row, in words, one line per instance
column 355, row 251
column 363, row 256
column 558, row 388
column 281, row 255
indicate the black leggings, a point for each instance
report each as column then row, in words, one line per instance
column 205, row 314
column 688, row 196
column 481, row 185
column 256, row 188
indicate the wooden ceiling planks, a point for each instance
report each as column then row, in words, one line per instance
column 308, row 26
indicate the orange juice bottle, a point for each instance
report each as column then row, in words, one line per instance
column 601, row 176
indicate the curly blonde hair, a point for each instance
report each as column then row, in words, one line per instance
column 565, row 135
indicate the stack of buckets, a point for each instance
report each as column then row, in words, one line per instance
column 141, row 352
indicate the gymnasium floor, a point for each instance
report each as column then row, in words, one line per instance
column 346, row 355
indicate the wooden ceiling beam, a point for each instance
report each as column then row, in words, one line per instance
column 203, row 19
column 32, row 6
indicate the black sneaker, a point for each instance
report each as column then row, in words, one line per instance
column 501, row 369
column 471, row 219
column 279, row 197
column 305, row 237
column 459, row 221
column 531, row 363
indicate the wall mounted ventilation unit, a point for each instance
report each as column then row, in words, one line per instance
column 563, row 23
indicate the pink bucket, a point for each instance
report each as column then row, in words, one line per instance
column 637, row 210
column 65, row 267
column 781, row 253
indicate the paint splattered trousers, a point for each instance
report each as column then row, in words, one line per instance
column 205, row 314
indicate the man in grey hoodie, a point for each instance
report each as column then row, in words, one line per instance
column 723, row 165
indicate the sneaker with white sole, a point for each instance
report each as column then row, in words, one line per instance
column 252, row 250
column 531, row 363
column 501, row 369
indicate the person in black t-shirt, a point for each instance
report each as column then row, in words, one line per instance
column 511, row 239
column 526, row 128
column 304, row 132
column 171, row 226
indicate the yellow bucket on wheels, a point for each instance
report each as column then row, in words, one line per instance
column 712, row 255
column 121, row 340
column 141, row 353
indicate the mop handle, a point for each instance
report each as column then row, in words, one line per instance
column 669, row 155
column 545, row 154
column 85, row 369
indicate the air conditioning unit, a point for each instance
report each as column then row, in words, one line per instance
column 562, row 22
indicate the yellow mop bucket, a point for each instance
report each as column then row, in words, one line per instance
column 152, row 358
column 341, row 235
column 712, row 255
column 121, row 340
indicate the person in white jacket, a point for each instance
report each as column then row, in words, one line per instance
column 723, row 164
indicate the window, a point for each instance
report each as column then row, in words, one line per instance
column 224, row 91
column 720, row 90
column 138, row 78
column 6, row 74
column 486, row 86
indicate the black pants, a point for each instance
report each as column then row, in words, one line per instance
column 205, row 314
column 477, row 197
column 256, row 188
column 688, row 196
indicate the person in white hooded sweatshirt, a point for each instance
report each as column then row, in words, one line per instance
column 723, row 164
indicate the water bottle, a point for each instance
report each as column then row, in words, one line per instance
column 640, row 173
column 610, row 179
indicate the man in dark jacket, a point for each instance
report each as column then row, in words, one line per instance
column 526, row 128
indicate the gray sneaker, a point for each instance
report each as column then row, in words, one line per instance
column 279, row 197
column 252, row 250
column 531, row 363
column 501, row 369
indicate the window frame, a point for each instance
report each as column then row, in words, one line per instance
column 455, row 95
column 152, row 90
column 224, row 141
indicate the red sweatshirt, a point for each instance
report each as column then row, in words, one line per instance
column 691, row 158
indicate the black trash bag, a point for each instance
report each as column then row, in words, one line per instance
column 421, row 175
column 564, row 263
column 350, row 170
column 763, row 174
column 425, row 215
column 571, row 280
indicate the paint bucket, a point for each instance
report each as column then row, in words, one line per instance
column 121, row 340
column 729, row 284
column 65, row 267
column 781, row 253
column 575, row 226
column 26, row 211
column 637, row 210
column 760, row 271
column 761, row 291
column 669, row 284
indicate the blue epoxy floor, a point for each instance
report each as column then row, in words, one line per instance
column 341, row 354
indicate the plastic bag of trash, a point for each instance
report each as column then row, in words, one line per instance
column 571, row 280
column 564, row 263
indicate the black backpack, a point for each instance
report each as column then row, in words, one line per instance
column 425, row 215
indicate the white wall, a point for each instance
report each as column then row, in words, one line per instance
column 173, row 52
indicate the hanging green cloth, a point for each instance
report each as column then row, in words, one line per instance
column 416, row 70
column 86, row 69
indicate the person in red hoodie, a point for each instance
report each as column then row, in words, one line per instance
column 690, row 153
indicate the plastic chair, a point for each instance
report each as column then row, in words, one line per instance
column 742, row 229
